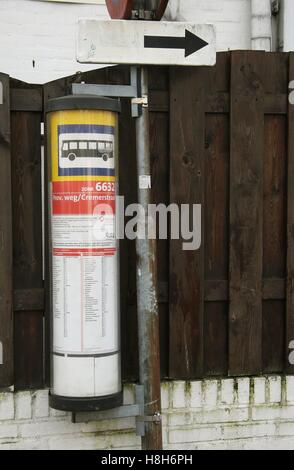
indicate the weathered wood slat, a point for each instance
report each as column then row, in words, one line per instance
column 187, row 126
column 218, row 291
column 216, row 214
column 290, row 226
column 159, row 101
column 194, row 290
column 23, row 99
column 276, row 104
column 27, row 243
column 28, row 300
column 273, row 327
column 274, row 238
column 159, row 149
column 6, row 312
column 273, row 103
column 129, row 335
column 246, row 202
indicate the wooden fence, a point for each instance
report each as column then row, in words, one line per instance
column 222, row 137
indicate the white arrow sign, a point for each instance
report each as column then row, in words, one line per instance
column 145, row 42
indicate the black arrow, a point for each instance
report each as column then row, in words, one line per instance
column 191, row 43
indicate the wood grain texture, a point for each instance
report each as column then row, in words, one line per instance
column 216, row 241
column 222, row 137
column 274, row 238
column 290, row 226
column 27, row 244
column 6, row 296
column 246, row 199
column 187, row 132
column 159, row 137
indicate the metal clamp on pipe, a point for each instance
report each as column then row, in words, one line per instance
column 143, row 101
column 156, row 418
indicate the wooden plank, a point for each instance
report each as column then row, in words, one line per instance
column 216, row 217
column 218, row 103
column 127, row 188
column 290, row 226
column 274, row 289
column 27, row 242
column 216, row 339
column 28, row 349
column 159, row 101
column 216, row 243
column 274, row 237
column 28, row 300
column 274, row 197
column 247, row 130
column 6, row 313
column 218, row 290
column 273, row 336
column 276, row 104
column 159, row 150
column 273, row 103
column 187, row 123
column 26, row 99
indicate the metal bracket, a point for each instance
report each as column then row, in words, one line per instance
column 141, row 101
column 119, row 91
column 156, row 418
column 143, row 15
column 126, row 411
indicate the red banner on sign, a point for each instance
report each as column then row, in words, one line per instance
column 83, row 197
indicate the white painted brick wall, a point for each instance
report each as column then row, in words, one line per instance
column 243, row 413
column 43, row 33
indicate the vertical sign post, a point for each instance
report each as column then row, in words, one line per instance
column 142, row 43
column 147, row 303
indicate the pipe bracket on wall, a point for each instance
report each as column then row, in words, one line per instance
column 125, row 411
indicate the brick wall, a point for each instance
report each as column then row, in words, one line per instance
column 211, row 414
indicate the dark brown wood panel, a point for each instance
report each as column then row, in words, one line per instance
column 215, row 339
column 219, row 137
column 27, row 244
column 187, row 133
column 290, row 225
column 274, row 197
column 159, row 138
column 274, row 237
column 246, row 194
column 273, row 328
column 6, row 312
column 28, row 350
column 128, row 189
column 216, row 242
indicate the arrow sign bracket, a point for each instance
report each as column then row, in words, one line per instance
column 132, row 91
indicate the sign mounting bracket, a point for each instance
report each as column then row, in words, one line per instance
column 132, row 91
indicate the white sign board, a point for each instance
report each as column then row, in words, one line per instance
column 145, row 42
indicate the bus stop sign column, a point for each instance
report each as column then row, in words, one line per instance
column 82, row 169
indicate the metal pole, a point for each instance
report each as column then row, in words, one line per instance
column 148, row 319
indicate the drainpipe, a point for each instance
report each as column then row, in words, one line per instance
column 172, row 12
column 287, row 36
column 261, row 25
